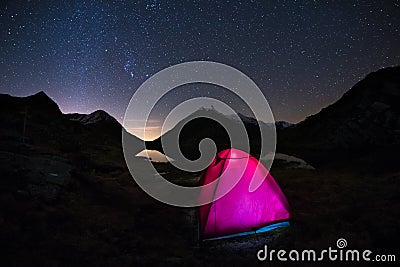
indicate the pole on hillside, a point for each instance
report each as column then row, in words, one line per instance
column 24, row 128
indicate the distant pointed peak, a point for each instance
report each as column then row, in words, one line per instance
column 206, row 110
column 42, row 101
column 40, row 93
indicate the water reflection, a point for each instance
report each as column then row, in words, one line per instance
column 154, row 156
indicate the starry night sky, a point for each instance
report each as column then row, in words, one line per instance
column 90, row 55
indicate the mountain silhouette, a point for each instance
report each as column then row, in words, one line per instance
column 38, row 105
column 98, row 121
column 37, row 119
column 208, row 123
column 92, row 118
column 365, row 118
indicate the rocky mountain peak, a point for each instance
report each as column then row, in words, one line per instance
column 92, row 118
column 368, row 115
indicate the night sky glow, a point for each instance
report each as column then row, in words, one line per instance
column 90, row 55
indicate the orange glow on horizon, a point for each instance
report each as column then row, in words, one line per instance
column 149, row 134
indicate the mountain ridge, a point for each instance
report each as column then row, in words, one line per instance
column 363, row 124
column 365, row 117
column 38, row 119
column 205, row 123
column 362, row 116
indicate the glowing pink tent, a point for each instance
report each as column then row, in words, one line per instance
column 241, row 212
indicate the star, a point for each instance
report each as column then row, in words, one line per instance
column 293, row 50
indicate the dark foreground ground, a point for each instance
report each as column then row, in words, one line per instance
column 89, row 212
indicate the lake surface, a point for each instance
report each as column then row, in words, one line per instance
column 154, row 156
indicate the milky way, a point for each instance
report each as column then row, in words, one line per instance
column 90, row 55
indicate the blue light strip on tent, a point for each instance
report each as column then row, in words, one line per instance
column 272, row 226
column 261, row 230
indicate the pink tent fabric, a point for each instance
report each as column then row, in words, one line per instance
column 239, row 210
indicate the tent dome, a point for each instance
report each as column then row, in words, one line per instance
column 240, row 211
column 232, row 154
